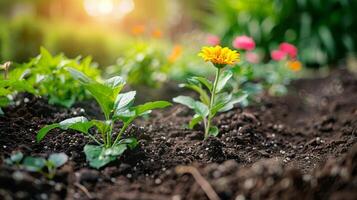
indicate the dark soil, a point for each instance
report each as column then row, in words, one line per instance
column 301, row 146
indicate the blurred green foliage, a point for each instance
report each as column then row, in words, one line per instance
column 45, row 75
column 323, row 30
column 21, row 38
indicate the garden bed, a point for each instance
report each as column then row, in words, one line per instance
column 300, row 146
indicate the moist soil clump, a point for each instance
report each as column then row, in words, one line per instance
column 299, row 146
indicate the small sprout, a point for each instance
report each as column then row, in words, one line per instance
column 115, row 106
column 15, row 158
column 217, row 100
column 38, row 164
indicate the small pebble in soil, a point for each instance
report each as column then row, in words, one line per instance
column 240, row 197
column 158, row 181
column 44, row 196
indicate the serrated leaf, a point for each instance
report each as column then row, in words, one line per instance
column 58, row 159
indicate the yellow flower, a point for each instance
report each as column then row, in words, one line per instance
column 295, row 65
column 219, row 56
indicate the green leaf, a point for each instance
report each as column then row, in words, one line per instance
column 102, row 126
column 78, row 75
column 141, row 109
column 223, row 79
column 114, row 82
column 58, row 159
column 43, row 131
column 15, row 158
column 34, row 164
column 131, row 142
column 194, row 121
column 98, row 156
column 236, row 98
column 197, row 88
column 94, row 156
column 197, row 106
column 213, row 131
column 80, row 124
column 204, row 82
column 201, row 109
column 103, row 95
column 116, row 150
column 185, row 100
column 123, row 101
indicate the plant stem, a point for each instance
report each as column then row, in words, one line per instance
column 125, row 126
column 109, row 134
column 213, row 95
column 94, row 139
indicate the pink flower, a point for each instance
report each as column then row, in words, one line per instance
column 252, row 57
column 213, row 40
column 244, row 42
column 290, row 49
column 278, row 55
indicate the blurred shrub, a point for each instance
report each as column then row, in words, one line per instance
column 322, row 29
column 21, row 39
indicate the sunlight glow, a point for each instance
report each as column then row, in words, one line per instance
column 116, row 9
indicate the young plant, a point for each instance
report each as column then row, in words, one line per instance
column 38, row 164
column 11, row 85
column 115, row 106
column 217, row 100
column 47, row 75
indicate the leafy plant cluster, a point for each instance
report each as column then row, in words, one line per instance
column 145, row 64
column 45, row 75
column 46, row 167
column 116, row 106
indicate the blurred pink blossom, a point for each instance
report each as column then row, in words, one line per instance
column 290, row 49
column 213, row 40
column 278, row 55
column 252, row 57
column 244, row 42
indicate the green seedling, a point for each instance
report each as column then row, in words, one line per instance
column 115, row 106
column 47, row 167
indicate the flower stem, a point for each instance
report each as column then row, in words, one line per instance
column 213, row 95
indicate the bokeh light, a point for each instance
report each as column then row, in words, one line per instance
column 115, row 9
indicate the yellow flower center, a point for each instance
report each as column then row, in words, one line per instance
column 219, row 55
